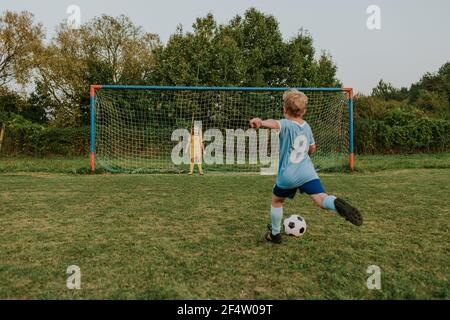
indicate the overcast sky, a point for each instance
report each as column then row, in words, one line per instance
column 414, row 36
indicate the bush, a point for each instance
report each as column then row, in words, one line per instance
column 433, row 103
column 64, row 141
column 402, row 131
column 398, row 130
column 375, row 108
column 25, row 137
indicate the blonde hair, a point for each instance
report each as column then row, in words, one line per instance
column 295, row 102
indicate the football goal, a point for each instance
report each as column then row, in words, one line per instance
column 151, row 128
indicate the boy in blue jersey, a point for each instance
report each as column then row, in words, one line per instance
column 296, row 170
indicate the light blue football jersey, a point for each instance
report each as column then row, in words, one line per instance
column 295, row 167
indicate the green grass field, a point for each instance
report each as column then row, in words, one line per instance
column 180, row 237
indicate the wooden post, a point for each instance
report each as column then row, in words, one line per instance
column 2, row 134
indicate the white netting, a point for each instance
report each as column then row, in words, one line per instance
column 135, row 129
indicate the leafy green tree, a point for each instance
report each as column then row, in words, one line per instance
column 106, row 49
column 433, row 102
column 432, row 90
column 248, row 51
column 227, row 64
column 40, row 105
column 203, row 57
column 13, row 105
column 325, row 72
column 120, row 47
column 262, row 48
column 387, row 91
column 20, row 37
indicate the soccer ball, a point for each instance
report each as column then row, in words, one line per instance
column 295, row 226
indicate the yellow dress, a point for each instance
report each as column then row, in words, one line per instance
column 196, row 149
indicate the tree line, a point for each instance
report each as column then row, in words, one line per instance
column 405, row 120
column 44, row 83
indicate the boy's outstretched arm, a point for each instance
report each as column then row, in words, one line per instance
column 312, row 149
column 269, row 124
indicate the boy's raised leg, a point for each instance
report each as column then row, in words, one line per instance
column 349, row 212
column 342, row 207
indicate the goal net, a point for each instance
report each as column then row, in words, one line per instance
column 150, row 129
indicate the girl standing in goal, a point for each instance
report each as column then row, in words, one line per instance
column 196, row 149
column 296, row 170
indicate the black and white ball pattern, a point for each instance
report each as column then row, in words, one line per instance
column 295, row 225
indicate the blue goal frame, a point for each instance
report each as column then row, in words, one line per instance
column 93, row 88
